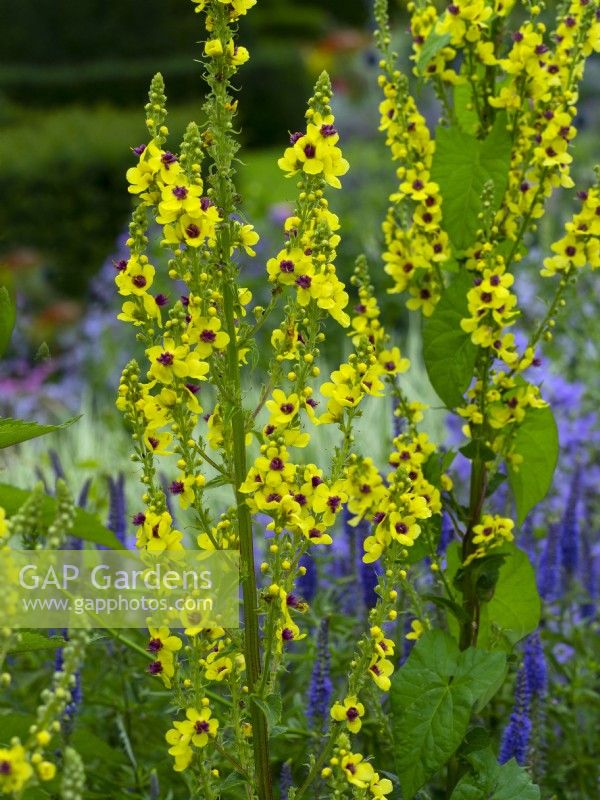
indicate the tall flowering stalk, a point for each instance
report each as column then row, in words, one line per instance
column 189, row 398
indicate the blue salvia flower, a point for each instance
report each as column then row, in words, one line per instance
column 534, row 666
column 117, row 511
column 447, row 533
column 285, row 780
column 321, row 687
column 84, row 494
column 549, row 573
column 569, row 538
column 589, row 578
column 57, row 466
column 369, row 575
column 517, row 734
column 306, row 585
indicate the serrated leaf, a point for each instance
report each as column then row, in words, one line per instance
column 514, row 609
column 462, row 165
column 433, row 696
column 431, row 47
column 448, row 351
column 8, row 317
column 15, row 431
column 536, row 442
column 87, row 526
column 490, row 781
column 29, row 642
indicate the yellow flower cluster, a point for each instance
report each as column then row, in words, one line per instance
column 581, row 243
column 315, row 152
column 414, row 249
column 163, row 646
column 354, row 770
column 492, row 532
column 492, row 307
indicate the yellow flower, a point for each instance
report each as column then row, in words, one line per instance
column 358, row 772
column 392, row 361
column 213, row 47
column 217, row 668
column 136, row 278
column 207, row 333
column 282, row 408
column 170, row 361
column 15, row 769
column 46, row 770
column 197, row 730
column 350, row 712
column 417, row 630
column 380, row 670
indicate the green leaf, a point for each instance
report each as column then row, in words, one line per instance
column 448, row 351
column 536, row 442
column 477, row 449
column 431, row 47
column 462, row 165
column 8, row 316
column 14, row 431
column 271, row 707
column 433, row 696
column 490, row 781
column 514, row 608
column 467, row 117
column 86, row 526
column 29, row 642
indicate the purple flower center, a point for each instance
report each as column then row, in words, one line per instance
column 352, row 713
column 287, row 634
column 139, row 149
column 286, row 265
column 295, row 136
column 495, row 280
column 168, row 159
column 300, row 499
column 401, row 527
column 570, row 251
column 286, row 408
column 121, row 265
column 304, row 281
column 208, row 336
column 201, row 726
column 454, row 9
column 417, row 185
column 155, row 668
column 389, row 366
column 5, row 768
column 139, row 281
column 153, row 442
column 192, row 387
column 206, row 203
column 192, row 231
column 166, row 359
column 139, row 518
column 154, row 645
column 486, row 297
column 334, row 502
column 276, row 464
column 180, row 192
column 328, row 130
column 310, row 151
column 517, row 37
column 177, row 487
column 161, row 300
column 274, row 498
column 316, row 481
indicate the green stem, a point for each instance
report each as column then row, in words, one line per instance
column 251, row 629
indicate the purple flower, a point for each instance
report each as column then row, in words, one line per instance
column 306, row 584
column 517, row 734
column 117, row 510
column 549, row 576
column 534, row 666
column 321, row 688
column 569, row 539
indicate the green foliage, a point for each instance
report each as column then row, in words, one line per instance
column 432, row 46
column 448, row 351
column 536, row 442
column 86, row 525
column 31, row 641
column 433, row 696
column 513, row 608
column 7, row 319
column 462, row 165
column 490, row 781
column 14, row 431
